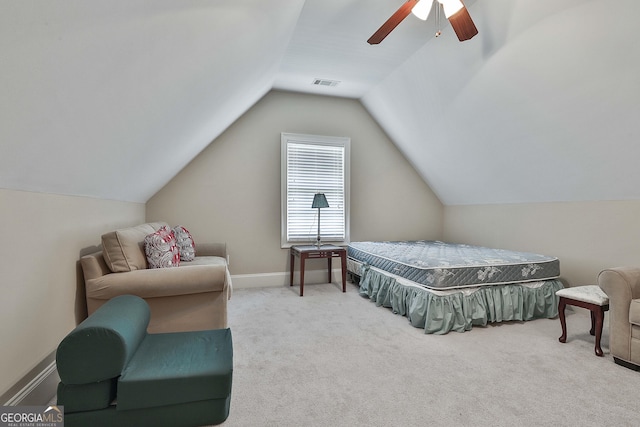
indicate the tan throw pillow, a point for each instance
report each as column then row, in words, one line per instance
column 161, row 249
column 123, row 249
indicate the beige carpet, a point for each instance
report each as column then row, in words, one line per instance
column 334, row 359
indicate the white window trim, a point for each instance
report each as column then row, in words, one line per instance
column 314, row 139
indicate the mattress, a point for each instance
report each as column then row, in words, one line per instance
column 440, row 265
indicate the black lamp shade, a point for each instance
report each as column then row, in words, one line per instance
column 319, row 201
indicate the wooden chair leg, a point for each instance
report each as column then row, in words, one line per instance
column 563, row 322
column 599, row 320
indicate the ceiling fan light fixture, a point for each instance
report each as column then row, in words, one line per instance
column 422, row 9
column 451, row 7
column 454, row 10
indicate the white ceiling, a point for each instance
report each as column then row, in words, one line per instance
column 111, row 99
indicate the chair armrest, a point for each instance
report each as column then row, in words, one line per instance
column 160, row 282
column 621, row 284
column 94, row 265
column 101, row 346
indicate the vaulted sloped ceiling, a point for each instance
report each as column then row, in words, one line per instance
column 541, row 106
column 110, row 99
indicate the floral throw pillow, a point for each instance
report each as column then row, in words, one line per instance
column 161, row 249
column 186, row 245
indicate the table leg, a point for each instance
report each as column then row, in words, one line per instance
column 293, row 261
column 599, row 317
column 343, row 261
column 561, row 305
column 303, row 258
column 329, row 268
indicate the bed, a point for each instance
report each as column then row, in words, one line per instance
column 442, row 287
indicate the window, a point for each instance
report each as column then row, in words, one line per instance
column 314, row 164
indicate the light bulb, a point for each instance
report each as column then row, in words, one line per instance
column 451, row 6
column 422, row 9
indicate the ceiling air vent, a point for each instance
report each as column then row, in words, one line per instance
column 325, row 82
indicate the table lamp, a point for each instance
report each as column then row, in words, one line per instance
column 319, row 201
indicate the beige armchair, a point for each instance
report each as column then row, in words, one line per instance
column 622, row 285
column 190, row 297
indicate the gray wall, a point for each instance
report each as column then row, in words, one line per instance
column 231, row 191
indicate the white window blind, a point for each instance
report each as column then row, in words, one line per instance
column 314, row 164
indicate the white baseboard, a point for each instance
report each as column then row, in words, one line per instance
column 275, row 280
column 38, row 387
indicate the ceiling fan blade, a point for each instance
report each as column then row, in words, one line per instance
column 392, row 22
column 463, row 25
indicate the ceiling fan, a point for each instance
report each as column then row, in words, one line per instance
column 454, row 10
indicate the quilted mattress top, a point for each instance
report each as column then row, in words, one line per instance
column 440, row 265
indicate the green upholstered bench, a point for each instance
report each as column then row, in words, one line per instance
column 113, row 373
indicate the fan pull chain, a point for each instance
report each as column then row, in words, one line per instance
column 438, row 27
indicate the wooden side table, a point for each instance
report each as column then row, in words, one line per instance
column 590, row 297
column 312, row 252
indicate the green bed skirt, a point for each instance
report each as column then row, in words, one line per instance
column 439, row 312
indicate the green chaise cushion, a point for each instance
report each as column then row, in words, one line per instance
column 87, row 397
column 100, row 347
column 175, row 368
